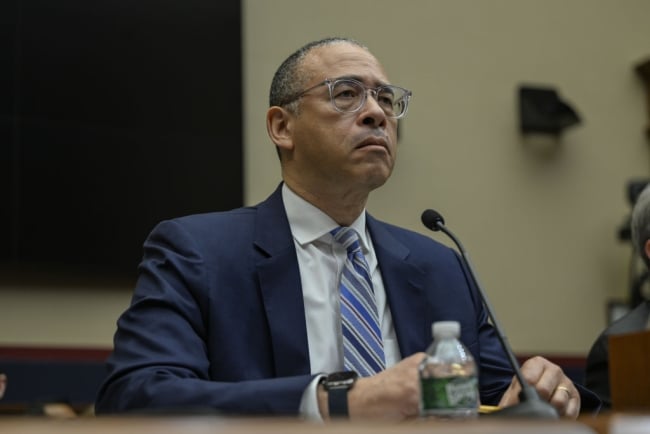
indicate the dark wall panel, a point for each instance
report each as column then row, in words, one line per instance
column 124, row 113
column 8, row 20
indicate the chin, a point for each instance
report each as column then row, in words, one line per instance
column 377, row 180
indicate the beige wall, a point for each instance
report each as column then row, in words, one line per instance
column 541, row 228
column 65, row 315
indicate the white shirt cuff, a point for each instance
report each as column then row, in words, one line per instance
column 309, row 401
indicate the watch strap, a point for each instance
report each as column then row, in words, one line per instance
column 338, row 402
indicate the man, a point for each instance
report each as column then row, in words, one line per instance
column 240, row 311
column 597, row 370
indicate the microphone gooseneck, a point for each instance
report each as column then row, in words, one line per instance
column 530, row 404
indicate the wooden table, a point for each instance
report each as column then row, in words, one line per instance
column 220, row 425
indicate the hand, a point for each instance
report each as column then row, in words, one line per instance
column 551, row 385
column 393, row 394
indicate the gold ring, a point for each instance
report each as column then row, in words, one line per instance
column 565, row 389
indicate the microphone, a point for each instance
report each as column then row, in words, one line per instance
column 530, row 404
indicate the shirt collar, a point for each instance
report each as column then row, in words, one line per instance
column 309, row 223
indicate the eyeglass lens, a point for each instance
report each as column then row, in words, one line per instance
column 349, row 96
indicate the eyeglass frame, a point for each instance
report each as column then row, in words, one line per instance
column 330, row 82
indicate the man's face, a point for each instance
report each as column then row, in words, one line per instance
column 343, row 151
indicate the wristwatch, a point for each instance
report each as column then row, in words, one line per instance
column 337, row 385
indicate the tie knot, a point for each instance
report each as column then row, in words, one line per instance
column 348, row 237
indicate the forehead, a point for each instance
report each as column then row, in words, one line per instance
column 343, row 59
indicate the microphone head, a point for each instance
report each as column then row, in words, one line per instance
column 432, row 219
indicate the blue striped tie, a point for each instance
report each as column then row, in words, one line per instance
column 363, row 349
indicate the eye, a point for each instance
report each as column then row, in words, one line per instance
column 346, row 90
column 386, row 97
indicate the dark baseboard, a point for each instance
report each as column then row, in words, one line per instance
column 72, row 375
column 38, row 375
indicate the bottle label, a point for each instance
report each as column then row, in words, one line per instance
column 449, row 392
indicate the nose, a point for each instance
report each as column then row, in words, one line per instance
column 372, row 113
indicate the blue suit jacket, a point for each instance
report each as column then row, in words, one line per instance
column 217, row 318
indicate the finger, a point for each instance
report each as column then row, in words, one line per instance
column 545, row 377
column 533, row 369
column 511, row 395
column 566, row 400
column 538, row 372
column 414, row 359
column 573, row 408
column 560, row 398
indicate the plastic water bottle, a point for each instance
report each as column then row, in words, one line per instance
column 448, row 378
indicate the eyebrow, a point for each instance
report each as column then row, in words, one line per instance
column 359, row 79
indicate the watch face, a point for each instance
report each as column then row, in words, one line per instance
column 340, row 379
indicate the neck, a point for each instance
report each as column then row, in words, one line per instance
column 344, row 207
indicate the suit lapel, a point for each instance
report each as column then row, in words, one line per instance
column 404, row 286
column 279, row 279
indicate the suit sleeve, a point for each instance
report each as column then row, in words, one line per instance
column 173, row 349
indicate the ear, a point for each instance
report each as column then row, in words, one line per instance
column 279, row 123
column 646, row 248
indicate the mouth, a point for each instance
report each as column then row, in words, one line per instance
column 374, row 142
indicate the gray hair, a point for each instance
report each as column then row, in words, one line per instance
column 640, row 224
column 289, row 80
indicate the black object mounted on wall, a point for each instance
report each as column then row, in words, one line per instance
column 542, row 111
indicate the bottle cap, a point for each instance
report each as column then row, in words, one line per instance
column 445, row 329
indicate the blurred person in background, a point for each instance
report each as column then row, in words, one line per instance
column 597, row 369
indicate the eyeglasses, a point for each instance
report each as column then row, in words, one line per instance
column 349, row 95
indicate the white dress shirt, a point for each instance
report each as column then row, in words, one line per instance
column 320, row 261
